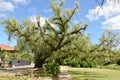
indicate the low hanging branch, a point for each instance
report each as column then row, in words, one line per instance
column 101, row 2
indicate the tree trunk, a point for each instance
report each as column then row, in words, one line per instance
column 39, row 62
column 56, row 78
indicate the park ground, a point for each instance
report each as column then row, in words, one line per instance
column 93, row 74
column 81, row 74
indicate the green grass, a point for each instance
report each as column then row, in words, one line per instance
column 13, row 78
column 93, row 74
column 110, row 66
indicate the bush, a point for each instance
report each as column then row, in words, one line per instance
column 52, row 68
column 118, row 62
column 26, row 56
column 88, row 63
column 42, row 73
column 92, row 64
column 83, row 64
column 106, row 63
column 73, row 62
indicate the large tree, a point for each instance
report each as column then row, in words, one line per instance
column 45, row 40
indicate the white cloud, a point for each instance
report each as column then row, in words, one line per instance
column 112, row 23
column 110, row 12
column 6, row 6
column 10, row 5
column 20, row 1
column 42, row 20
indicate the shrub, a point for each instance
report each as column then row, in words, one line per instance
column 76, row 62
column 42, row 73
column 26, row 56
column 106, row 63
column 118, row 62
column 88, row 63
column 83, row 64
column 92, row 64
column 52, row 68
column 73, row 62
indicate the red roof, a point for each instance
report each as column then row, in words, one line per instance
column 6, row 47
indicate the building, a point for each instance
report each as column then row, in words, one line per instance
column 11, row 62
column 5, row 47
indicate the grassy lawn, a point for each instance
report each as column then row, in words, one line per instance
column 13, row 78
column 93, row 74
column 110, row 66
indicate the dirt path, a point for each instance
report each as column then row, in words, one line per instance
column 64, row 75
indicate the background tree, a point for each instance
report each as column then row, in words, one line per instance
column 109, row 47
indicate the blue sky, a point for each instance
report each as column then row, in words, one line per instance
column 97, row 18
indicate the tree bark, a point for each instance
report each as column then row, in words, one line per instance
column 39, row 63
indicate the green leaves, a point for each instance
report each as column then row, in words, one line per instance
column 52, row 68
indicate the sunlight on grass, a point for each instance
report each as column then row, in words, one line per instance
column 93, row 74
